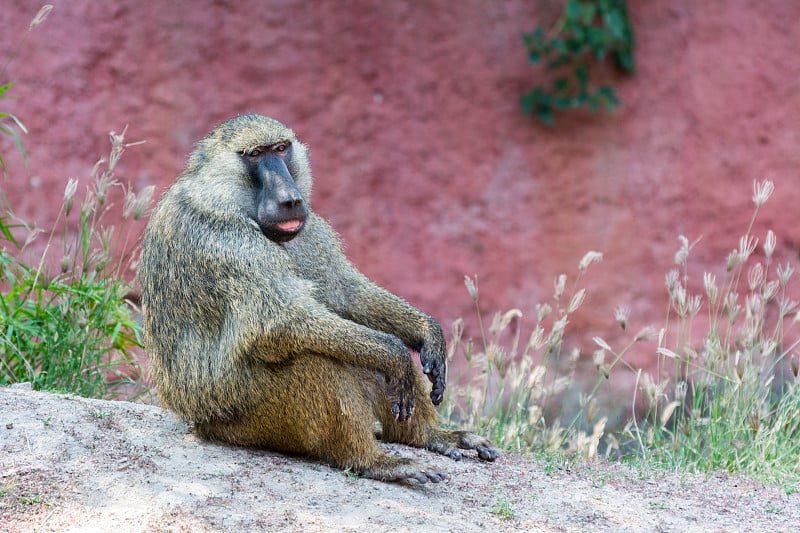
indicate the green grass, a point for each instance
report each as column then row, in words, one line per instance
column 65, row 322
column 70, row 327
column 725, row 395
column 727, row 398
column 503, row 509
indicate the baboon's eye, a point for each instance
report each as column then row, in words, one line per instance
column 280, row 147
column 253, row 152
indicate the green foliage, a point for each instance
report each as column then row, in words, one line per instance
column 503, row 509
column 587, row 30
column 73, row 331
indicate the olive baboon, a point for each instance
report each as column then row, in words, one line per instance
column 262, row 333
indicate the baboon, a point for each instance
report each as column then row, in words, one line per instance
column 263, row 334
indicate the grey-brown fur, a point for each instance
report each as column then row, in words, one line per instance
column 283, row 345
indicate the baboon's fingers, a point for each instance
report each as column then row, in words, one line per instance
column 437, row 392
column 434, row 365
column 444, row 448
column 403, row 409
column 402, row 396
column 447, row 442
column 437, row 378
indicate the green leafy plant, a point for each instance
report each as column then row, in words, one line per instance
column 68, row 327
column 503, row 509
column 73, row 329
column 587, row 30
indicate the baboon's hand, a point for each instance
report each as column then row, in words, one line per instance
column 434, row 362
column 400, row 391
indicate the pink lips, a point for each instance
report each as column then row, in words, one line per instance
column 289, row 225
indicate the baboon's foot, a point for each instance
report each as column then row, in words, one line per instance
column 450, row 443
column 389, row 468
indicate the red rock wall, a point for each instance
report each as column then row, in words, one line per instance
column 423, row 161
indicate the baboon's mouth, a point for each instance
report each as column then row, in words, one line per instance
column 291, row 226
column 282, row 231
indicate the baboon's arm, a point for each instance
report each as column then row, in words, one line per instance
column 351, row 295
column 303, row 325
column 376, row 308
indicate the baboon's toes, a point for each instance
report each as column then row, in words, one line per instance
column 395, row 469
column 428, row 474
column 484, row 447
column 448, row 450
column 435, row 476
column 488, row 453
column 454, row 454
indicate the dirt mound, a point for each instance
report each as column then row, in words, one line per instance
column 77, row 464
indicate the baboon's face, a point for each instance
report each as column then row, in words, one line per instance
column 280, row 210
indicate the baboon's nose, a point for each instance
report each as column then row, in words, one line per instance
column 292, row 204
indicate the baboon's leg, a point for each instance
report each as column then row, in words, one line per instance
column 422, row 429
column 317, row 407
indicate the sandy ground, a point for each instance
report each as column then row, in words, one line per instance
column 76, row 464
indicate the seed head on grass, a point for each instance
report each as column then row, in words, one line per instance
column 40, row 16
column 588, row 259
column 542, row 310
column 143, row 201
column 599, row 358
column 672, row 280
column 621, row 315
column 733, row 261
column 785, row 273
column 576, row 300
column 747, row 245
column 710, row 284
column 683, row 252
column 769, row 244
column 559, row 286
column 762, row 190
column 472, row 287
column 69, row 195
column 755, row 276
column 647, row 333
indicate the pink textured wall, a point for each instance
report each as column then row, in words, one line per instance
column 422, row 158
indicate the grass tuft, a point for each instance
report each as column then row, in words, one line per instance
column 724, row 395
column 68, row 327
column 71, row 328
